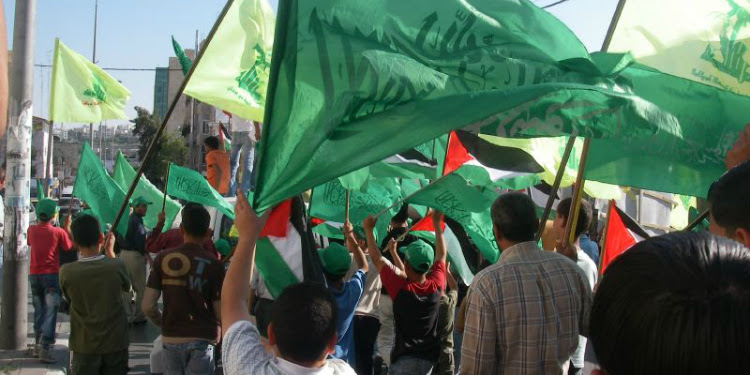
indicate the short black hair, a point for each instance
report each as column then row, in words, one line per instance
column 304, row 321
column 195, row 220
column 728, row 198
column 514, row 216
column 402, row 215
column 584, row 214
column 44, row 218
column 211, row 142
column 86, row 231
column 674, row 304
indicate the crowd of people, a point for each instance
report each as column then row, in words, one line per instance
column 673, row 304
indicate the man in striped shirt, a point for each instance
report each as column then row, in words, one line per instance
column 526, row 311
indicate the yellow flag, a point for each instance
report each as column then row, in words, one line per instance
column 701, row 40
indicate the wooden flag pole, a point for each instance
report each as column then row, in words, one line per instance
column 166, row 183
column 697, row 221
column 555, row 187
column 157, row 136
column 577, row 196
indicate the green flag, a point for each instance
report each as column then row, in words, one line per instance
column 40, row 190
column 189, row 185
column 233, row 72
column 95, row 187
column 185, row 62
column 468, row 205
column 328, row 202
column 357, row 81
column 123, row 174
column 83, row 92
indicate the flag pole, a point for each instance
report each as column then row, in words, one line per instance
column 166, row 183
column 697, row 221
column 346, row 207
column 172, row 106
column 555, row 187
column 578, row 187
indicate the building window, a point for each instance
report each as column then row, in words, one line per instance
column 204, row 125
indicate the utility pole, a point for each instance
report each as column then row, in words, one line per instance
column 18, row 173
column 193, row 137
column 93, row 60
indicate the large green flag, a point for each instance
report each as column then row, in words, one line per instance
column 468, row 205
column 123, row 174
column 357, row 81
column 233, row 72
column 83, row 92
column 95, row 187
column 187, row 184
column 328, row 202
column 185, row 62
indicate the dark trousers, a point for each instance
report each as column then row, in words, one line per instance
column 365, row 333
column 100, row 364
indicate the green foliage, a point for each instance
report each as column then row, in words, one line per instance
column 169, row 149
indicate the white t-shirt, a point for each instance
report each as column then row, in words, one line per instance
column 239, row 124
column 589, row 269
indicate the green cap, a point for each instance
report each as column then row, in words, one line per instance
column 46, row 208
column 335, row 259
column 222, row 246
column 420, row 256
column 139, row 201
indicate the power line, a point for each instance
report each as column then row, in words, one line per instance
column 117, row 69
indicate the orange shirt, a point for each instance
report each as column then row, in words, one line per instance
column 217, row 170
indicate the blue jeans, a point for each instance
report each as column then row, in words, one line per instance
column 242, row 145
column 192, row 358
column 407, row 365
column 45, row 293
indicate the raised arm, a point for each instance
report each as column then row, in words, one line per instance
column 377, row 259
column 440, row 253
column 393, row 250
column 353, row 247
column 234, row 294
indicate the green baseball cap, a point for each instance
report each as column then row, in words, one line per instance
column 335, row 259
column 46, row 208
column 139, row 201
column 222, row 246
column 420, row 256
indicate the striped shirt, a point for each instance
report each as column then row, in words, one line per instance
column 524, row 314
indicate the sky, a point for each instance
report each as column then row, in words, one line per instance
column 136, row 34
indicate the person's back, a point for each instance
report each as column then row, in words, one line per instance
column 98, row 321
column 590, row 248
column 676, row 304
column 190, row 280
column 525, row 312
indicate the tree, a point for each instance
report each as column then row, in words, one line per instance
column 168, row 149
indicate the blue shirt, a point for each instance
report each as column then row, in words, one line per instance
column 590, row 248
column 347, row 299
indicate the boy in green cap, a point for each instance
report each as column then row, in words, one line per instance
column 45, row 241
column 416, row 295
column 336, row 260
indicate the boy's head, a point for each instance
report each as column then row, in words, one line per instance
column 140, row 205
column 401, row 217
column 562, row 213
column 303, row 324
column 730, row 206
column 211, row 143
column 514, row 219
column 335, row 260
column 674, row 304
column 86, row 232
column 419, row 256
column 195, row 221
column 46, row 210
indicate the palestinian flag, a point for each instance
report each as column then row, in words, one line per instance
column 425, row 230
column 279, row 255
column 621, row 234
column 486, row 164
column 225, row 138
column 326, row 228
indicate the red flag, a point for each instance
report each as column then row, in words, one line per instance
column 277, row 220
column 425, row 225
column 456, row 154
column 621, row 234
